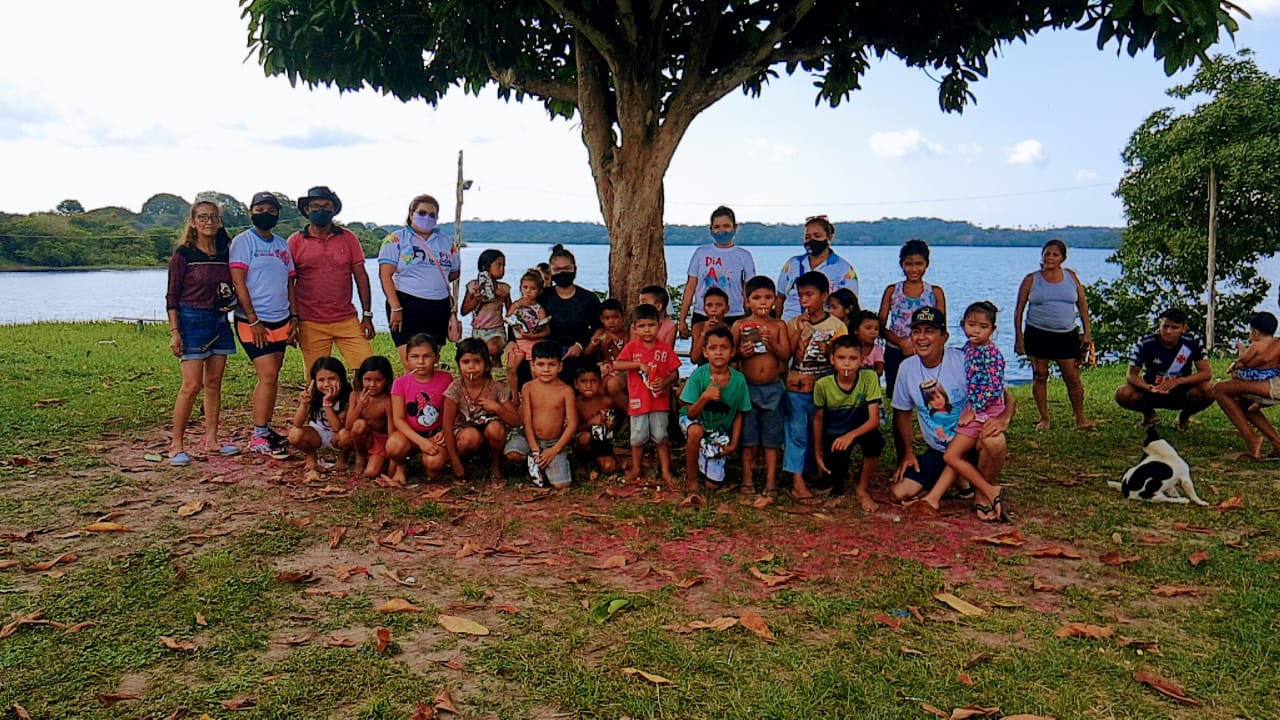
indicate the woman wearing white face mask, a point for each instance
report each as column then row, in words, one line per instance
column 416, row 265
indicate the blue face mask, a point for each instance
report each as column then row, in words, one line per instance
column 724, row 237
column 424, row 223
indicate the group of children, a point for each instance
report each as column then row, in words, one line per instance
column 810, row 387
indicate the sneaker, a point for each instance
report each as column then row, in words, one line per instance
column 261, row 446
column 279, row 444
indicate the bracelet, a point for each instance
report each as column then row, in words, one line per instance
column 326, row 403
column 255, row 323
column 396, row 309
column 174, row 330
column 367, row 314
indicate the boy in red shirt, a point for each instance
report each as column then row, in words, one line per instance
column 652, row 369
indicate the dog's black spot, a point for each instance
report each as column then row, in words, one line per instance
column 1147, row 480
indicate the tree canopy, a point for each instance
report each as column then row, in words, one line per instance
column 1165, row 189
column 637, row 72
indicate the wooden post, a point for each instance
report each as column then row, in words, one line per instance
column 1210, row 315
column 457, row 221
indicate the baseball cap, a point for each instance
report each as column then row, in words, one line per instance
column 929, row 316
column 265, row 197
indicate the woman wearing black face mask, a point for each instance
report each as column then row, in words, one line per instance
column 819, row 233
column 574, row 312
column 416, row 265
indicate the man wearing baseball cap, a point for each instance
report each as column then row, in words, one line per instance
column 327, row 258
column 932, row 383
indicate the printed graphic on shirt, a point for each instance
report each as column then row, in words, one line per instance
column 939, row 416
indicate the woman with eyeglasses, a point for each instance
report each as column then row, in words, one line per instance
column 198, row 299
column 819, row 234
column 416, row 267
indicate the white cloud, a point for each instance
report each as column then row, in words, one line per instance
column 1027, row 152
column 1258, row 8
column 901, row 143
column 969, row 149
column 776, row 151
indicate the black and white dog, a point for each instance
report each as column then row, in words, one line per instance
column 1160, row 476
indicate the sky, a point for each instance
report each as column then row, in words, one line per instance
column 109, row 103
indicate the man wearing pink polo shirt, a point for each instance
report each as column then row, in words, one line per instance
column 326, row 258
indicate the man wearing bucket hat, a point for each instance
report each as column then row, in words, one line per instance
column 932, row 383
column 328, row 258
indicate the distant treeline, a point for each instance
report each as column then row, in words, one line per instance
column 72, row 237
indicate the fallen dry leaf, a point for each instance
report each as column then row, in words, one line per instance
column 964, row 679
column 762, row 502
column 507, row 608
column 398, row 605
column 105, row 527
column 1235, row 502
column 455, row 624
column 383, row 634
column 299, row 522
column 1177, row 590
column 1025, row 716
column 892, row 623
column 655, row 679
column 932, row 710
column 293, row 640
column 174, row 644
column 110, row 699
column 21, row 712
column 393, row 538
column 1188, row 527
column 979, row 658
column 201, row 621
column 1198, row 557
column 295, row 576
column 1164, row 687
column 910, row 651
column 1010, row 538
column 756, row 624
column 9, row 564
column 972, row 711
column 720, row 624
column 407, row 581
column 468, row 548
column 1268, row 556
column 444, row 702
column 1152, row 540
column 328, row 593
column 687, row 583
column 49, row 564
column 1038, row 586
column 335, row 536
column 337, row 641
column 773, row 578
column 191, row 508
column 613, row 561
column 961, row 606
column 1115, row 558
column 344, row 572
column 1056, row 551
column 1083, row 630
column 73, row 629
column 239, row 702
column 1147, row 646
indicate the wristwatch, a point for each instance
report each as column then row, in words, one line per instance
column 368, row 314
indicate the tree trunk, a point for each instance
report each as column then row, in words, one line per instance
column 634, row 221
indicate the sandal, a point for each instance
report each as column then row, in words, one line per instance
column 997, row 507
column 227, row 450
column 182, row 459
column 984, row 512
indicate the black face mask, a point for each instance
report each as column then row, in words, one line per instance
column 264, row 221
column 816, row 247
column 564, row 279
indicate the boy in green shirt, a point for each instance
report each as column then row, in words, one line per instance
column 713, row 400
column 847, row 413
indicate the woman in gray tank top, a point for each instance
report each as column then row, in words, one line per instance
column 1045, row 330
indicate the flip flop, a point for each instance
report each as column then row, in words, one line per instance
column 997, row 506
column 227, row 450
column 182, row 459
column 984, row 512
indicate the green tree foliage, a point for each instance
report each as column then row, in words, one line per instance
column 636, row 74
column 164, row 210
column 1165, row 189
column 70, row 207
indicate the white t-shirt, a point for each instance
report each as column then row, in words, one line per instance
column 840, row 274
column 726, row 268
column 416, row 274
column 945, row 386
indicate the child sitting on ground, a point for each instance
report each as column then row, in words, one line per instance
column 417, row 410
column 368, row 420
column 550, row 421
column 714, row 398
column 984, row 388
column 652, row 369
column 762, row 348
column 477, row 411
column 596, row 416
column 714, row 305
column 847, row 413
column 321, row 407
column 528, row 321
column 604, row 346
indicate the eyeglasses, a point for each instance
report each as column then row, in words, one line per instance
column 208, row 219
column 815, row 218
column 426, row 213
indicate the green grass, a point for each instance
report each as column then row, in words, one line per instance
column 831, row 658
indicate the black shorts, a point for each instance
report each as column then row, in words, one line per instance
column 871, row 444
column 253, row 351
column 1175, row 399
column 932, row 463
column 419, row 315
column 1049, row 345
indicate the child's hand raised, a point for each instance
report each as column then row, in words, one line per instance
column 712, row 392
column 305, row 395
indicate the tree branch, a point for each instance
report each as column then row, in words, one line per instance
column 595, row 109
column 548, row 89
column 599, row 36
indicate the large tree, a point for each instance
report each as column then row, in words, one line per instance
column 1163, row 258
column 637, row 72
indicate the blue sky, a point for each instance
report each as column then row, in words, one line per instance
column 110, row 105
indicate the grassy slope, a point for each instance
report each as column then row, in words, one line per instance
column 831, row 659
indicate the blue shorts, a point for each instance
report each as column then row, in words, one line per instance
column 762, row 426
column 557, row 472
column 797, row 451
column 204, row 333
column 652, row 426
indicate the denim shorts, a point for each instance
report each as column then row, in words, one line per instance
column 204, row 333
column 762, row 426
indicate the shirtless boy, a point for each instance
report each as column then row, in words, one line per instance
column 550, row 420
column 762, row 350
column 596, row 414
